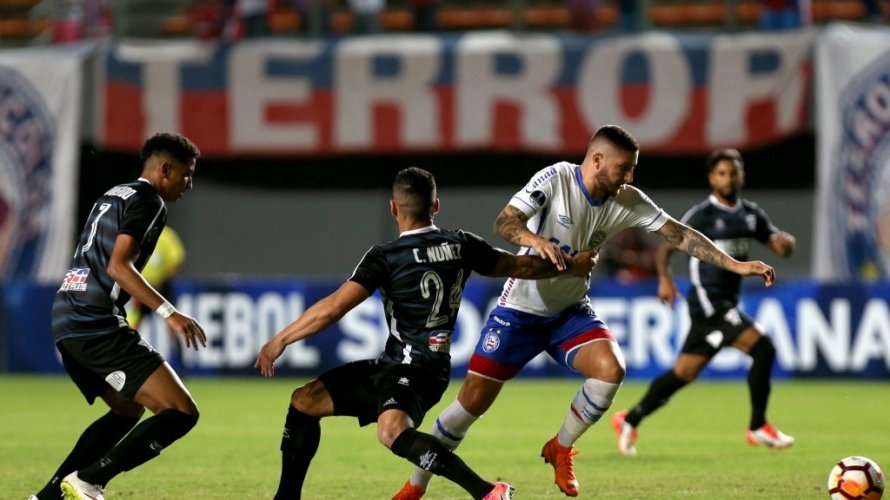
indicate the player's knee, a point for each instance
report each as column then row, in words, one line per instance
column 307, row 397
column 390, row 424
column 763, row 350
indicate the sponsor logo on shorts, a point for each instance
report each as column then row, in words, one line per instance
column 403, row 381
column 714, row 339
column 116, row 380
column 75, row 280
column 492, row 341
column 390, row 402
column 499, row 321
column 440, row 341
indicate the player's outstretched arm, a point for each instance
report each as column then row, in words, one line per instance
column 782, row 243
column 699, row 246
column 320, row 315
column 511, row 226
column 535, row 267
column 667, row 288
column 122, row 269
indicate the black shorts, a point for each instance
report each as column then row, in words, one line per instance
column 364, row 389
column 121, row 361
column 708, row 335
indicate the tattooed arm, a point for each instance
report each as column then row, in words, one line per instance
column 699, row 246
column 534, row 267
column 511, row 226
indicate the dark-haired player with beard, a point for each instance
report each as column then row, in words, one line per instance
column 733, row 224
column 105, row 357
column 563, row 209
column 421, row 277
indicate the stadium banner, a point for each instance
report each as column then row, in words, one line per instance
column 852, row 231
column 494, row 91
column 40, row 96
column 819, row 330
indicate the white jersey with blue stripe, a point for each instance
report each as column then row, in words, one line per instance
column 561, row 210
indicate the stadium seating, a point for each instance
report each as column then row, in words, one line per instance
column 27, row 21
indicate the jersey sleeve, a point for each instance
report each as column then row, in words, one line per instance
column 480, row 254
column 536, row 195
column 645, row 213
column 372, row 271
column 764, row 227
column 141, row 215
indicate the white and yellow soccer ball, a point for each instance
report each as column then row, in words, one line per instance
column 856, row 478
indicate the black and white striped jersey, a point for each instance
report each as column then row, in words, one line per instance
column 733, row 229
column 89, row 302
column 421, row 277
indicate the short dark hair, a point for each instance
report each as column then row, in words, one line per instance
column 723, row 154
column 617, row 136
column 176, row 145
column 414, row 191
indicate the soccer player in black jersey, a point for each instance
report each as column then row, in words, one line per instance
column 421, row 277
column 103, row 355
column 716, row 322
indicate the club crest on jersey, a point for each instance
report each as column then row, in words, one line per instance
column 440, row 341
column 26, row 146
column 75, row 280
column 598, row 238
column 492, row 341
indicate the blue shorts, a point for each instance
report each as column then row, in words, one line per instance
column 512, row 338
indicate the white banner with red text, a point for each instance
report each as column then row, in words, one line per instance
column 493, row 91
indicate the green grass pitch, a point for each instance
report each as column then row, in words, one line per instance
column 692, row 448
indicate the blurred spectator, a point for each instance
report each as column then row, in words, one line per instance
column 425, row 12
column 873, row 13
column 208, row 18
column 367, row 15
column 582, row 14
column 308, row 10
column 629, row 256
column 785, row 14
column 252, row 18
column 629, row 15
column 76, row 19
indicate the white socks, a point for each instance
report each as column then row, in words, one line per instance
column 588, row 406
column 450, row 428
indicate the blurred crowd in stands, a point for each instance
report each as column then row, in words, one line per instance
column 66, row 20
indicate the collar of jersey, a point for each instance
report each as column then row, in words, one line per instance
column 590, row 199
column 431, row 227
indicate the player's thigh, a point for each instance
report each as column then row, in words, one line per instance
column 600, row 359
column 121, row 361
column 478, row 393
column 409, row 388
column 352, row 391
column 163, row 390
column 509, row 340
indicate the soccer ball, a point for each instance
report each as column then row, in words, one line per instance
column 856, row 478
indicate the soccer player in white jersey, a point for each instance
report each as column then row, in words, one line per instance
column 565, row 208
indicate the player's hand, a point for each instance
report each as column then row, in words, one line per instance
column 549, row 251
column 583, row 262
column 667, row 290
column 266, row 359
column 759, row 268
column 188, row 328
